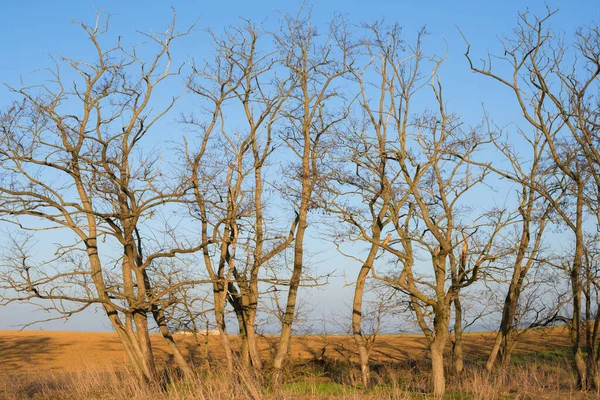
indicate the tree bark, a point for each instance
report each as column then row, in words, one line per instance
column 438, row 379
column 222, row 328
column 252, row 342
column 290, row 309
column 141, row 367
column 501, row 343
column 457, row 349
column 161, row 321
column 359, row 289
column 580, row 363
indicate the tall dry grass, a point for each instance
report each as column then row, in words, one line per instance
column 303, row 381
column 119, row 384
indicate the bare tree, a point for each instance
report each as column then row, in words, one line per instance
column 229, row 194
column 313, row 66
column 556, row 92
column 365, row 182
column 431, row 223
column 532, row 217
column 400, row 172
column 72, row 159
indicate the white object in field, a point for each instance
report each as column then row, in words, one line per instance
column 202, row 332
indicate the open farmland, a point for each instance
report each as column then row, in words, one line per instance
column 56, row 364
column 47, row 351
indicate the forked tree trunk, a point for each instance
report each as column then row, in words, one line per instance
column 238, row 301
column 246, row 316
column 161, row 321
column 143, row 336
column 140, row 315
column 138, row 350
column 133, row 355
column 437, row 343
column 144, row 368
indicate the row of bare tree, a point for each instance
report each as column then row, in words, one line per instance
column 295, row 126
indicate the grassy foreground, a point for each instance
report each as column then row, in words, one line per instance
column 81, row 365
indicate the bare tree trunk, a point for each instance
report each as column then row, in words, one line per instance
column 595, row 376
column 159, row 318
column 222, row 328
column 437, row 344
column 456, row 271
column 290, row 309
column 139, row 350
column 438, row 380
column 143, row 335
column 503, row 337
column 126, row 334
column 594, row 330
column 142, row 368
column 359, row 289
column 580, row 364
column 495, row 349
column 238, row 300
column 591, row 330
column 244, row 348
column 502, row 345
column 457, row 349
column 252, row 342
column 134, row 358
column 595, row 370
column 508, row 347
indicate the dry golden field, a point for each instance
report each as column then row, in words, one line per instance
column 80, row 365
column 48, row 351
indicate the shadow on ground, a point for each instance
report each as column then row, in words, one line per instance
column 18, row 352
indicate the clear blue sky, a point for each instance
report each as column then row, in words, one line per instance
column 31, row 30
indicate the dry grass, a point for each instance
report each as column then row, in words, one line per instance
column 72, row 365
column 551, row 381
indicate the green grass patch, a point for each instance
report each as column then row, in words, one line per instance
column 552, row 355
column 318, row 388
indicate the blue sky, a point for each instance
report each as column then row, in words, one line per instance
column 32, row 30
